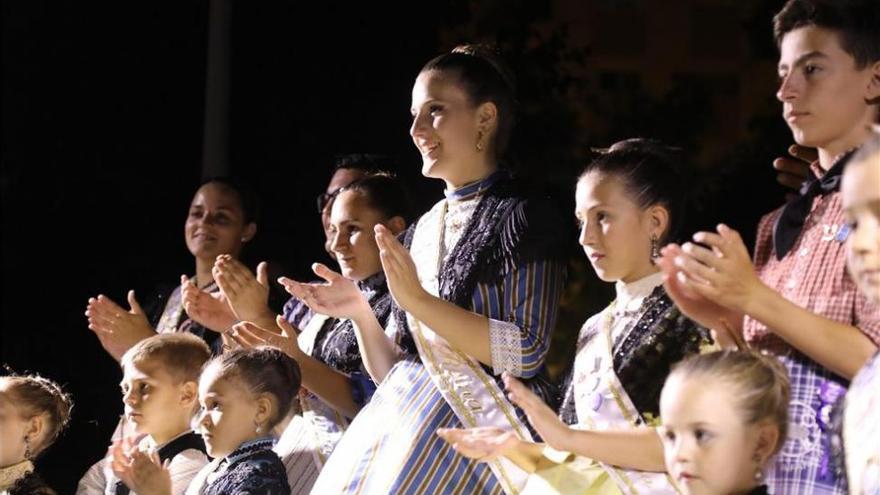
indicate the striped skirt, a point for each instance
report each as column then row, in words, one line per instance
column 392, row 447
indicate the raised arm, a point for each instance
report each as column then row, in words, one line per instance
column 517, row 342
column 340, row 298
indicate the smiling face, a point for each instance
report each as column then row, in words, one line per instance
column 156, row 403
column 353, row 240
column 614, row 231
column 341, row 178
column 446, row 128
column 230, row 413
column 860, row 190
column 215, row 223
column 823, row 92
column 707, row 447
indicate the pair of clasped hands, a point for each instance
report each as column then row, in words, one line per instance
column 240, row 311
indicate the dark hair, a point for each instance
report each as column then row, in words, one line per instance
column 384, row 192
column 761, row 382
column 181, row 355
column 854, row 20
column 35, row 396
column 262, row 370
column 369, row 163
column 247, row 197
column 485, row 79
column 650, row 172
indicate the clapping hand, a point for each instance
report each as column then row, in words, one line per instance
column 117, row 329
column 142, row 473
column 338, row 296
column 400, row 270
column 247, row 295
column 482, row 444
column 211, row 310
column 248, row 334
column 546, row 422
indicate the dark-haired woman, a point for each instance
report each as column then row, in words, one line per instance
column 476, row 295
column 335, row 385
column 628, row 203
column 221, row 220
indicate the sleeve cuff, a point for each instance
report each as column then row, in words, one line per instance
column 506, row 349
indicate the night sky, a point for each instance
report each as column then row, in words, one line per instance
column 103, row 113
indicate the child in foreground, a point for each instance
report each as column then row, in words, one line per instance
column 243, row 393
column 724, row 415
column 160, row 396
column 33, row 412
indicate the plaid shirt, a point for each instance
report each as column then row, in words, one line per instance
column 813, row 275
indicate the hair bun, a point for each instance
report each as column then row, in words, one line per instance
column 492, row 55
column 641, row 144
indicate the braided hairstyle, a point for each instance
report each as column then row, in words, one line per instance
column 262, row 370
column 34, row 395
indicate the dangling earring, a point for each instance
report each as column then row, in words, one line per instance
column 655, row 248
column 258, row 427
column 759, row 473
column 27, row 448
column 480, row 141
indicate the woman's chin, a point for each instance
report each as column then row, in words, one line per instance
column 431, row 168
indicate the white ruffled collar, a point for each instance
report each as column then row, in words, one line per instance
column 630, row 296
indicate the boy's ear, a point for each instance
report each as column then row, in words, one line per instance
column 189, row 393
column 872, row 93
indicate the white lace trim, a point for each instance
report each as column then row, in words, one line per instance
column 506, row 348
column 458, row 214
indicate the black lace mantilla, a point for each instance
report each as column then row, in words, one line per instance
column 644, row 356
column 254, row 470
column 31, row 484
column 645, row 353
column 508, row 227
column 336, row 343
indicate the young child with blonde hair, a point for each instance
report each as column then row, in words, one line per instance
column 725, row 414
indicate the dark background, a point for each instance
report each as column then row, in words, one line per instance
column 103, row 111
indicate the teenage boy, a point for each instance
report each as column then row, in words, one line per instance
column 797, row 300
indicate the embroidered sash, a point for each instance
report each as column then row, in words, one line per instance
column 602, row 404
column 472, row 394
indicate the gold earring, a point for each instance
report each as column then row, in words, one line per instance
column 480, row 141
column 27, row 447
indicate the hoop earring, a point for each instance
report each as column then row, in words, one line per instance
column 480, row 141
column 655, row 248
